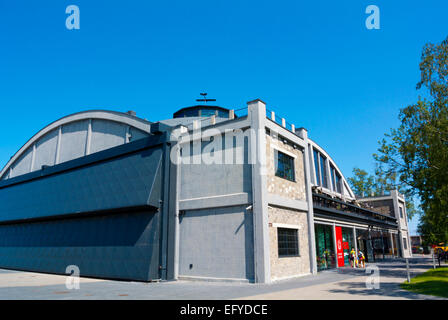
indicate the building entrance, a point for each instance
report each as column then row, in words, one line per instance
column 325, row 253
column 347, row 244
column 364, row 244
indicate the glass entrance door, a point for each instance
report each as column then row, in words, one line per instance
column 364, row 244
column 325, row 254
column 347, row 244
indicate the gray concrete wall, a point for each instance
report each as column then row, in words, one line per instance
column 210, row 180
column 257, row 116
column 399, row 201
column 198, row 181
column 404, row 219
column 217, row 243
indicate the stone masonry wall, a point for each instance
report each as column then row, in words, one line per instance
column 279, row 186
column 285, row 267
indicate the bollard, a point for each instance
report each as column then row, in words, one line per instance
column 407, row 270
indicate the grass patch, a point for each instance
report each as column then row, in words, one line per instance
column 433, row 282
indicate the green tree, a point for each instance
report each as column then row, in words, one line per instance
column 386, row 180
column 362, row 183
column 417, row 151
column 380, row 184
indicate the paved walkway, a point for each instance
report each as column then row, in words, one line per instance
column 391, row 275
column 343, row 283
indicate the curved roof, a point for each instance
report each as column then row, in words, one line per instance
column 346, row 190
column 95, row 130
column 86, row 131
column 194, row 111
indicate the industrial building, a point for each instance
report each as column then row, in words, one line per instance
column 211, row 193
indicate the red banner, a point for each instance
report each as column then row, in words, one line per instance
column 339, row 248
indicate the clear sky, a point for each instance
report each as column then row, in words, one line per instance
column 313, row 62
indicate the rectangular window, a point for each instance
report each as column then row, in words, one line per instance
column 316, row 166
column 323, row 171
column 288, row 242
column 401, row 212
column 333, row 177
column 284, row 166
column 405, row 244
column 338, row 183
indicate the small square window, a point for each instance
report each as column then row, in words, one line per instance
column 284, row 166
column 288, row 242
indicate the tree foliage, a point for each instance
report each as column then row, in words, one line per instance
column 417, row 151
column 365, row 185
column 362, row 183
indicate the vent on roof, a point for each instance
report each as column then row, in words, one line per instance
column 132, row 113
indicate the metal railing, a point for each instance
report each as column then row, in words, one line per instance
column 281, row 121
column 341, row 207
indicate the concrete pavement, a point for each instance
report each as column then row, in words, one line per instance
column 344, row 283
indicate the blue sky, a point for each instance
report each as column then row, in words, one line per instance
column 313, row 62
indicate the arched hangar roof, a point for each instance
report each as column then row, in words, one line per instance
column 75, row 136
column 346, row 190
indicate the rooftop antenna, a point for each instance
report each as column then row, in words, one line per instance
column 205, row 100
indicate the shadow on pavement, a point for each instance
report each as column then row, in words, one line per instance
column 387, row 289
